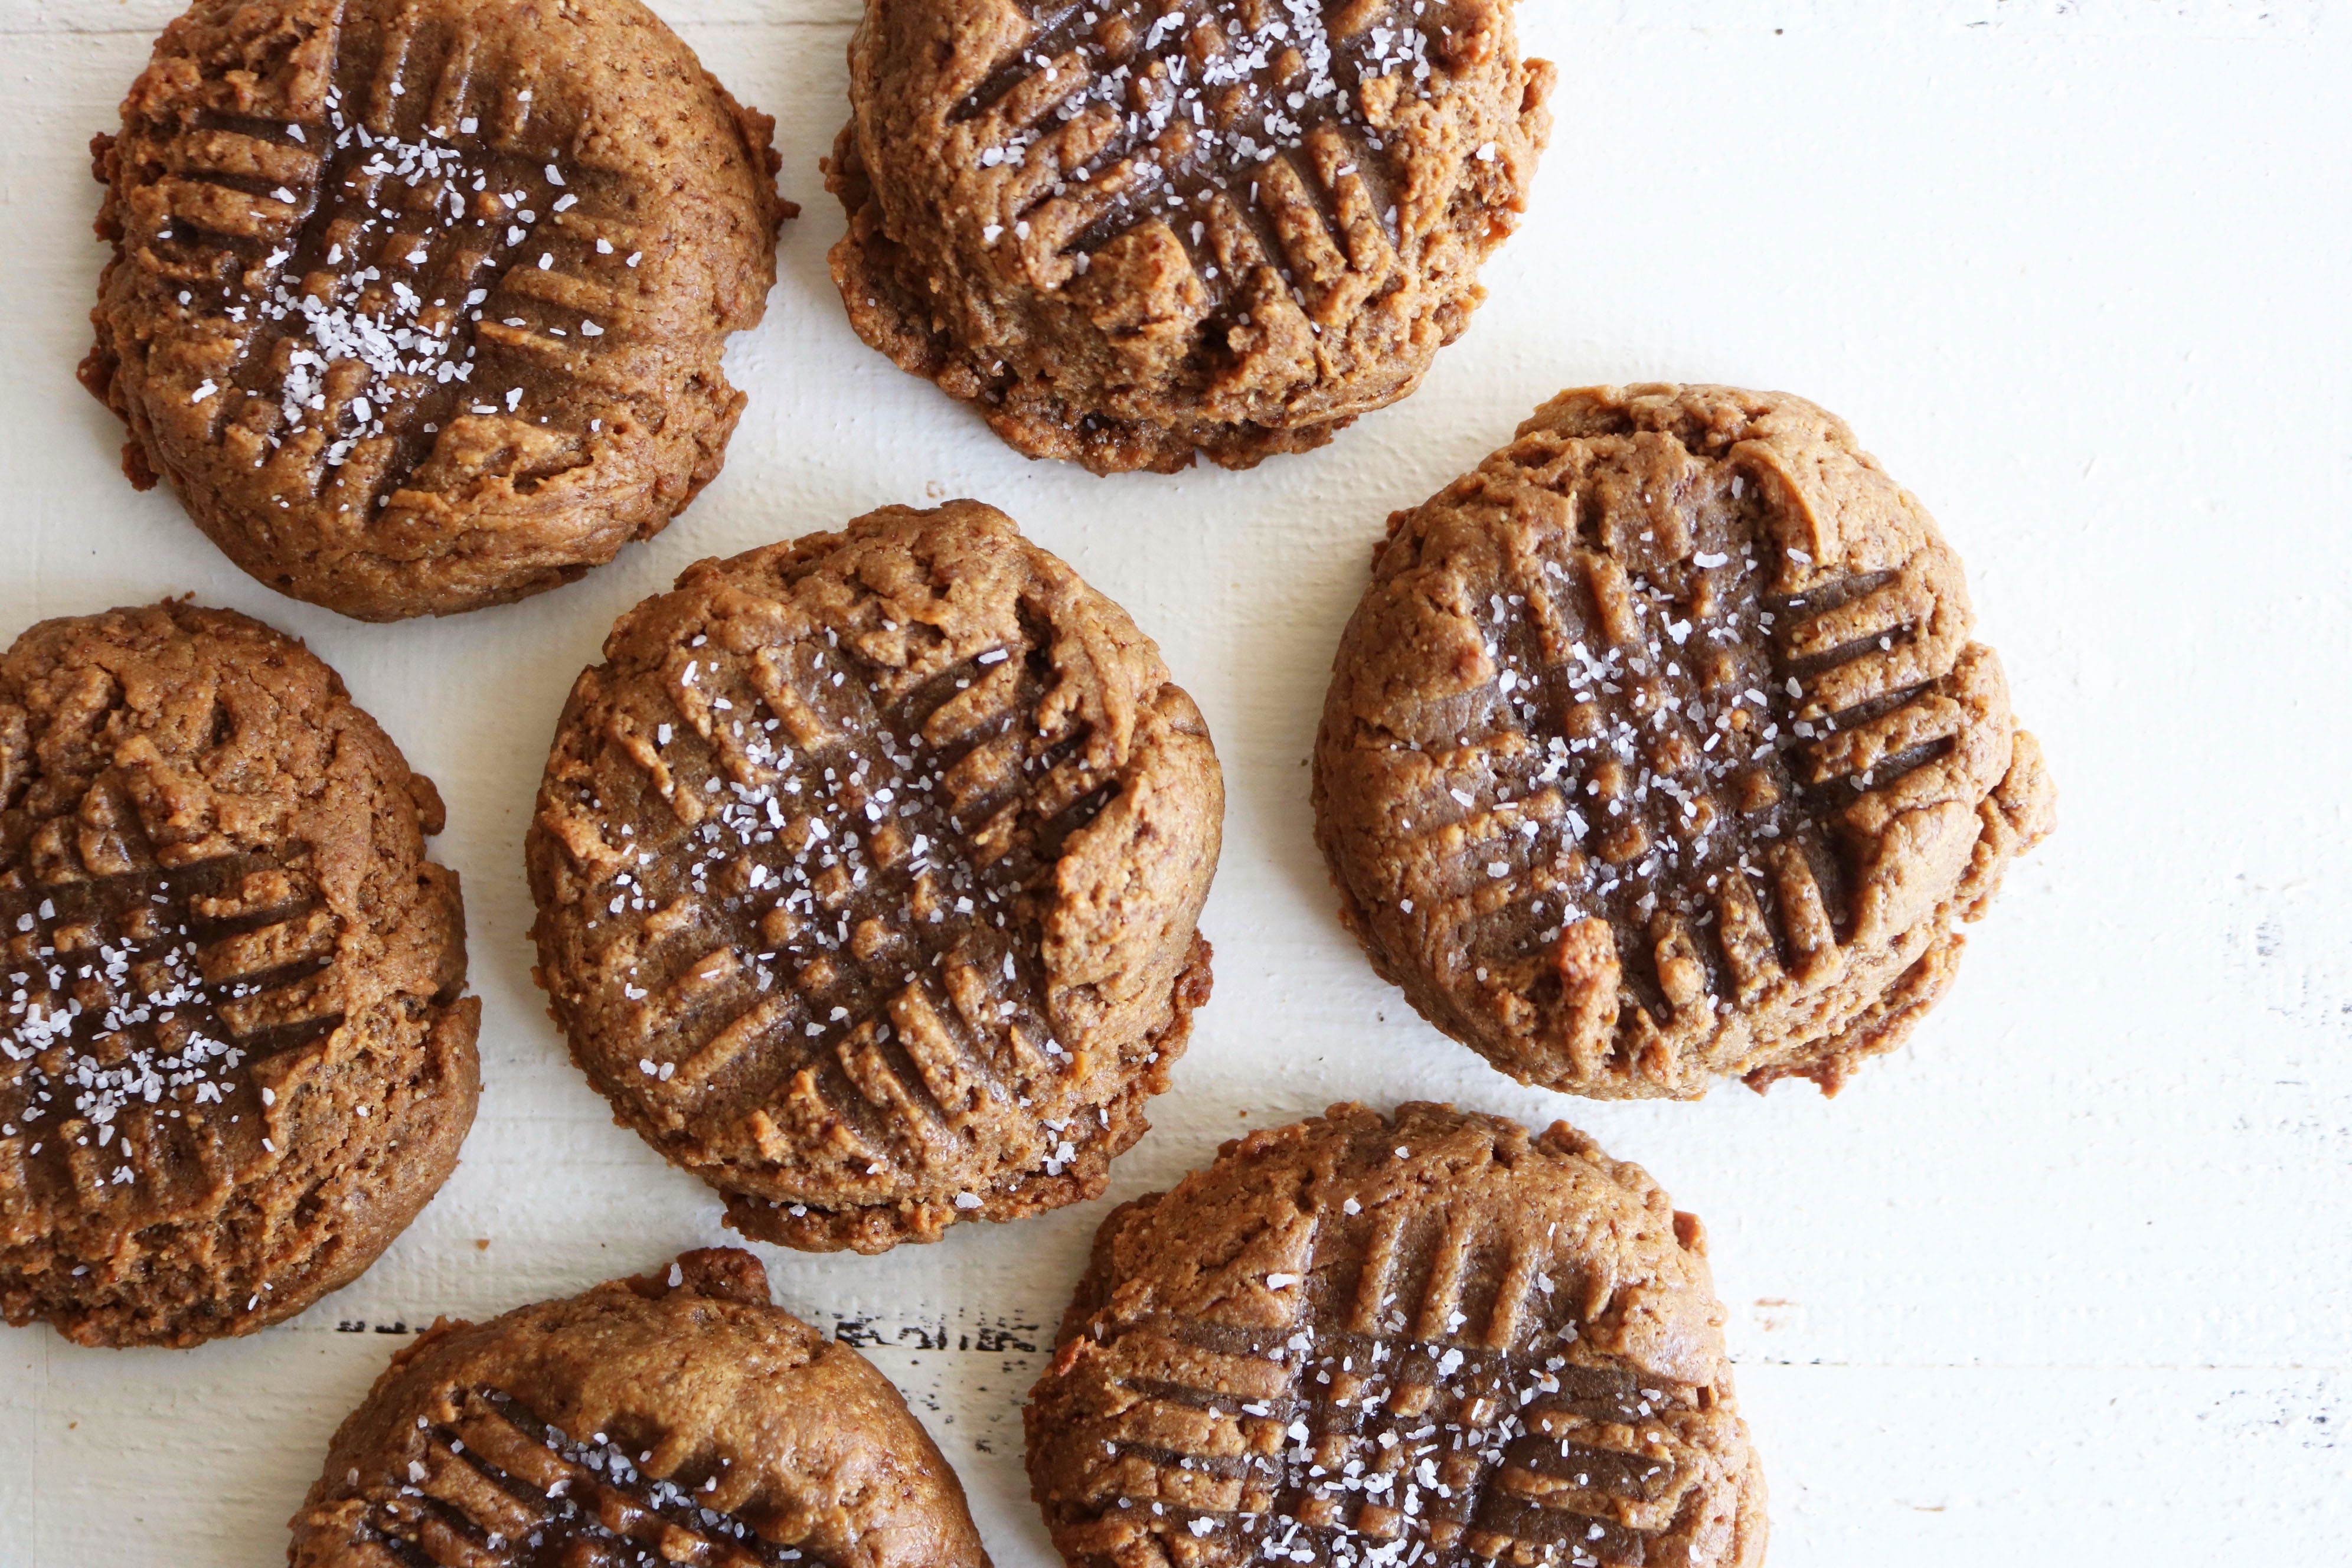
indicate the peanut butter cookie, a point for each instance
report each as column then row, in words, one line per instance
column 1379, row 1343
column 869, row 869
column 674, row 1418
column 418, row 304
column 1127, row 230
column 234, row 1058
column 1659, row 750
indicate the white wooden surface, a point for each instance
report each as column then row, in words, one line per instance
column 2070, row 1279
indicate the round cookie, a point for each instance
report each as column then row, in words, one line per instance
column 1658, row 750
column 1130, row 229
column 1432, row 1340
column 869, row 869
column 676, row 1417
column 418, row 304
column 234, row 1060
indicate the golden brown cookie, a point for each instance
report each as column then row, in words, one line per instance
column 1658, row 749
column 1431, row 1341
column 418, row 304
column 1129, row 229
column 234, row 1059
column 677, row 1417
column 869, row 869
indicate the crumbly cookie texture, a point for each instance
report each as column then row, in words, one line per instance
column 1384, row 1344
column 868, row 870
column 418, row 304
column 234, row 1058
column 1129, row 231
column 1659, row 750
column 674, row 1418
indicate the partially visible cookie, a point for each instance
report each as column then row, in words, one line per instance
column 1659, row 750
column 1374, row 1343
column 1130, row 230
column 869, row 869
column 234, row 1058
column 418, row 304
column 677, row 1417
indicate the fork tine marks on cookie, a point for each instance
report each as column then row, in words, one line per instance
column 1927, row 718
column 957, row 1083
column 1746, row 939
column 378, row 107
column 869, row 809
column 750, row 1032
column 1507, row 1435
column 354, row 186
column 497, row 1486
column 1705, row 694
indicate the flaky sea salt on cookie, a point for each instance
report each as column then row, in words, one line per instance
column 1659, row 749
column 418, row 304
column 234, row 1058
column 1129, row 230
column 869, row 869
column 1367, row 1343
column 677, row 1417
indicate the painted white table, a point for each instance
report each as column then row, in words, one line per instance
column 2069, row 1278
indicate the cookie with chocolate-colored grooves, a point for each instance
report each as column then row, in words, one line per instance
column 678, row 1417
column 1133, row 230
column 868, row 870
column 1659, row 750
column 234, row 1060
column 418, row 304
column 1431, row 1339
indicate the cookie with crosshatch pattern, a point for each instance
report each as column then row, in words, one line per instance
column 418, row 304
column 868, row 869
column 1125, row 230
column 234, row 1058
column 1659, row 749
column 676, row 1417
column 1392, row 1343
